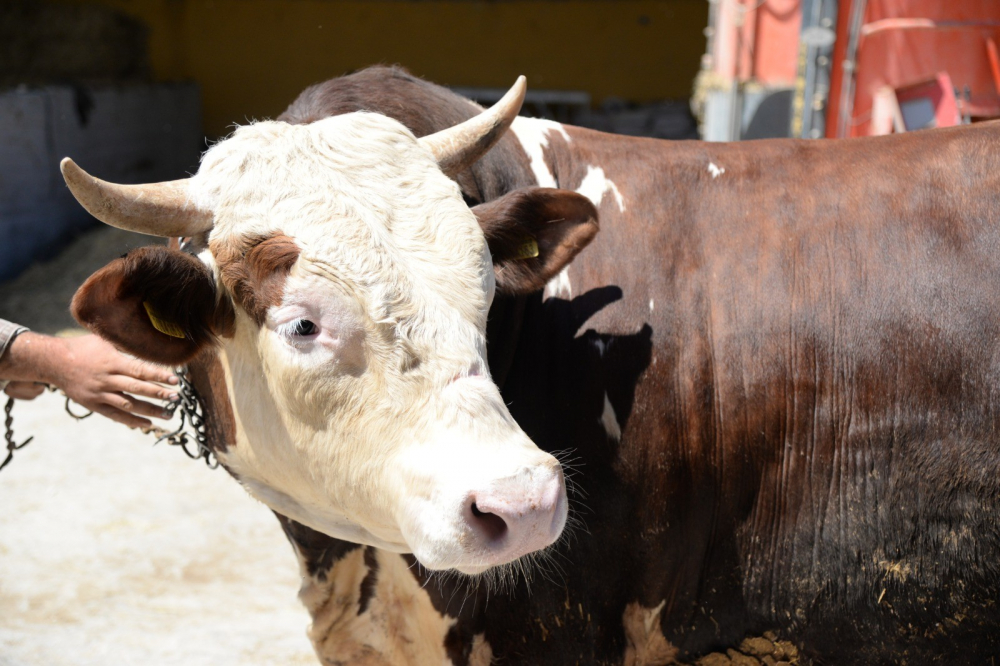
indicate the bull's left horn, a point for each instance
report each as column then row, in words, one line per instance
column 157, row 209
column 458, row 147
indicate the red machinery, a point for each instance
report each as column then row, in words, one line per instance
column 813, row 68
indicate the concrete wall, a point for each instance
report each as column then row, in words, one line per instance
column 252, row 57
column 130, row 134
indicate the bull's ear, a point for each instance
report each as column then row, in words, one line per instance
column 156, row 303
column 533, row 233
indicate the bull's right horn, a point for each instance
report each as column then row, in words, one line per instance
column 158, row 209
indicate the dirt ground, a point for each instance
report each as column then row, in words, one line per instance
column 116, row 552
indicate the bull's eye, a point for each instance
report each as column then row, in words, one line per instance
column 303, row 328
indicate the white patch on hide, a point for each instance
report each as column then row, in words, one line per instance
column 716, row 171
column 559, row 286
column 481, row 653
column 610, row 421
column 595, row 184
column 533, row 135
column 600, row 346
column 645, row 643
column 651, row 305
column 399, row 626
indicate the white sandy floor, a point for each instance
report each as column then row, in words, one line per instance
column 113, row 552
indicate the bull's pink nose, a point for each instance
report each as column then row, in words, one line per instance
column 519, row 514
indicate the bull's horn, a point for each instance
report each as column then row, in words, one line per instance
column 157, row 209
column 458, row 147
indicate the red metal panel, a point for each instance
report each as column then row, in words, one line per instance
column 777, row 42
column 757, row 40
column 903, row 42
column 838, row 73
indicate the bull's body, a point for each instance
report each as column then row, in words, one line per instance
column 776, row 368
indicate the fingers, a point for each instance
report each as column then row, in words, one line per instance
column 122, row 417
column 24, row 390
column 122, row 384
column 150, row 373
column 126, row 403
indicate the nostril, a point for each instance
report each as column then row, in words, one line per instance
column 490, row 525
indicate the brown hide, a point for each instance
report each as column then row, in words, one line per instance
column 819, row 377
column 254, row 270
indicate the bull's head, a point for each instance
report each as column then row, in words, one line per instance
column 346, row 286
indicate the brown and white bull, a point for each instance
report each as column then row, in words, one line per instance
column 345, row 286
column 776, row 367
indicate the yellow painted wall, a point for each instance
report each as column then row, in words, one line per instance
column 252, row 57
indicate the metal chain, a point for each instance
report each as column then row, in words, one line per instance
column 9, row 433
column 190, row 435
column 9, row 422
column 78, row 417
column 192, row 426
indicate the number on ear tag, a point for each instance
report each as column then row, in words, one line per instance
column 162, row 325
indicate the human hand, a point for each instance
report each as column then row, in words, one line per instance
column 24, row 390
column 97, row 376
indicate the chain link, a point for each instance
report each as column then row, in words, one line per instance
column 192, row 431
column 191, row 435
column 8, row 435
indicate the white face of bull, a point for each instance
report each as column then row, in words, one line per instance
column 346, row 287
column 364, row 404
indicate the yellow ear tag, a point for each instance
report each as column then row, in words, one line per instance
column 162, row 325
column 528, row 249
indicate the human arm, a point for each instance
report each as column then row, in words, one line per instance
column 15, row 389
column 90, row 371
